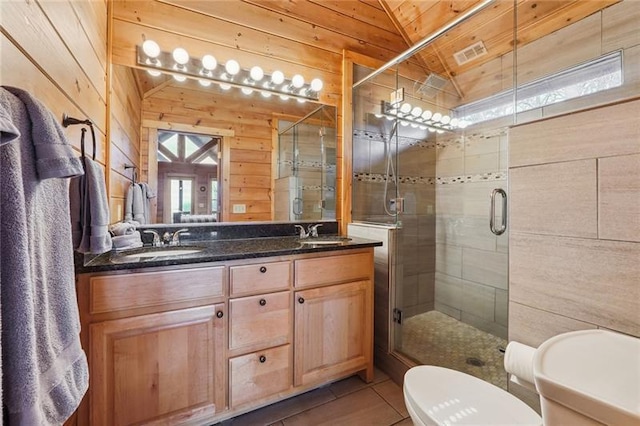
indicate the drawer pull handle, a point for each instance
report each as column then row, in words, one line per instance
column 263, row 302
column 263, row 269
column 263, row 358
column 300, row 299
column 219, row 314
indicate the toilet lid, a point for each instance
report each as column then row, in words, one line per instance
column 449, row 397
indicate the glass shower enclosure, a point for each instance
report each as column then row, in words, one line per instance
column 305, row 187
column 424, row 166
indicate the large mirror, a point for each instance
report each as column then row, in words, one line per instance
column 214, row 155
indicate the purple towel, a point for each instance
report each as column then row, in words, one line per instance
column 45, row 372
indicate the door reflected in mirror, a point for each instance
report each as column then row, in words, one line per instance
column 188, row 172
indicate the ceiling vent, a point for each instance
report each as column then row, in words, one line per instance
column 470, row 53
column 432, row 85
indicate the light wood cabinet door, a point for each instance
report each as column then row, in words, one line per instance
column 333, row 329
column 159, row 368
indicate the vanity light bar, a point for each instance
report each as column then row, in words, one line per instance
column 206, row 70
column 416, row 117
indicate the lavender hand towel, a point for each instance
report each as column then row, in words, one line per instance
column 92, row 210
column 45, row 372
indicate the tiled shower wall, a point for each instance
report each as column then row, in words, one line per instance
column 447, row 258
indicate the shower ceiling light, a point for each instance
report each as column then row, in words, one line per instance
column 181, row 66
column 420, row 119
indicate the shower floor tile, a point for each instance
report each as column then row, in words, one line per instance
column 434, row 338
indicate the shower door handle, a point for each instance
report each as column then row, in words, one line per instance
column 297, row 206
column 492, row 212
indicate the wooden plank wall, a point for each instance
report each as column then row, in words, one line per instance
column 125, row 113
column 57, row 52
column 269, row 37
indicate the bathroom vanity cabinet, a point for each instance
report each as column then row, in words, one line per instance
column 199, row 343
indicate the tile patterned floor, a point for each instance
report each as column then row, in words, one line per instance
column 437, row 339
column 349, row 402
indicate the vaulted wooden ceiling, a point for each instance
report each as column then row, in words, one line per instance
column 312, row 34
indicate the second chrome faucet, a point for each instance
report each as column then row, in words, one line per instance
column 312, row 230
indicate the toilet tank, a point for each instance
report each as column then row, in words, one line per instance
column 593, row 374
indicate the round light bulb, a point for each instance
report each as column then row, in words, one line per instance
column 277, row 77
column 284, row 97
column 180, row 78
column 378, row 115
column 204, row 83
column 225, row 86
column 404, row 123
column 440, row 131
column 405, row 108
column 154, row 73
column 151, row 48
column 301, row 101
column 256, row 73
column 422, row 127
column 389, row 118
column 209, row 62
column 436, row 117
column 393, row 111
column 180, row 55
column 454, row 122
column 265, row 94
column 297, row 81
column 414, row 125
column 247, row 91
column 316, row 85
column 431, row 129
column 445, row 119
column 416, row 111
column 426, row 115
column 232, row 67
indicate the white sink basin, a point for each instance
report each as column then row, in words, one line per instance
column 173, row 251
column 325, row 241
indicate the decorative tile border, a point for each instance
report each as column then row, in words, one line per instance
column 317, row 188
column 418, row 180
column 309, row 164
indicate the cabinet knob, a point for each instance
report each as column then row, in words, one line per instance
column 300, row 299
column 263, row 358
column 263, row 269
column 219, row 314
column 263, row 302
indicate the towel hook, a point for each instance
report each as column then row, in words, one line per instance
column 71, row 121
column 134, row 175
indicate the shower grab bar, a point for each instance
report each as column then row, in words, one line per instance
column 492, row 212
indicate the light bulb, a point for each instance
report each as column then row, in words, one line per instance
column 389, row 118
column 422, row 127
column 180, row 55
column 414, row 125
column 445, row 119
column 180, row 78
column 277, row 77
column 404, row 123
column 154, row 73
column 151, row 48
column 416, row 112
column 204, row 83
column 297, row 81
column 316, row 85
column 405, row 108
column 232, row 67
column 393, row 111
column 431, row 129
column 265, row 94
column 436, row 117
column 440, row 131
column 454, row 122
column 301, row 101
column 209, row 62
column 284, row 97
column 426, row 115
column 225, row 86
column 256, row 73
column 247, row 91
column 378, row 115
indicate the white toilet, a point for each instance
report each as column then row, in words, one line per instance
column 583, row 377
column 440, row 396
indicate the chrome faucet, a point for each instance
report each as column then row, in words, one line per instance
column 175, row 239
column 313, row 230
column 302, row 234
column 157, row 242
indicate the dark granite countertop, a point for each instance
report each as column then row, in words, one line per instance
column 218, row 250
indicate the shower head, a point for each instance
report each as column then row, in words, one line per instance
column 432, row 85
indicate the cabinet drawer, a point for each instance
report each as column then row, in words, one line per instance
column 260, row 321
column 111, row 293
column 333, row 269
column 260, row 277
column 260, row 374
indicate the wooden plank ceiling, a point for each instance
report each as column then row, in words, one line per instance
column 314, row 33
